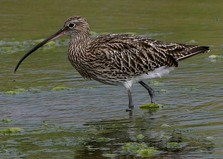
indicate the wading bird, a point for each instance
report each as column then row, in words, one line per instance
column 119, row 59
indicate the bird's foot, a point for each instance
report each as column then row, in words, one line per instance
column 131, row 107
column 153, row 101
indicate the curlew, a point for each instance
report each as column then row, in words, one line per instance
column 119, row 59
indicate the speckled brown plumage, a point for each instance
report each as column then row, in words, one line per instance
column 119, row 59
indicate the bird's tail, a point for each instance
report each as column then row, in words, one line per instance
column 191, row 51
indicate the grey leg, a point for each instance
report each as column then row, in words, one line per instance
column 149, row 89
column 131, row 106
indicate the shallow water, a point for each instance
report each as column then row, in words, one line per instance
column 61, row 115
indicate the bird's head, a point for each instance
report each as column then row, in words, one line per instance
column 74, row 27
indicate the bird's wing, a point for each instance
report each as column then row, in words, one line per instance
column 128, row 54
column 182, row 51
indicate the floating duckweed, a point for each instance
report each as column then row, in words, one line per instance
column 12, row 130
column 6, row 120
column 154, row 82
column 38, row 41
column 60, row 88
column 109, row 155
column 131, row 148
column 45, row 123
column 175, row 146
column 150, row 106
column 140, row 137
column 148, row 152
column 165, row 126
column 192, row 41
column 8, row 47
column 51, row 44
column 209, row 138
column 138, row 149
column 162, row 91
column 15, row 91
column 94, row 34
column 214, row 58
column 103, row 139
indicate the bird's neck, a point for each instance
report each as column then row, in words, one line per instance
column 78, row 44
column 77, row 50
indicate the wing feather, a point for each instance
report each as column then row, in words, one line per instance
column 135, row 55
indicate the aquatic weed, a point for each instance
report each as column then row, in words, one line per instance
column 138, row 149
column 15, row 91
column 60, row 88
column 215, row 58
column 6, row 120
column 151, row 107
column 12, row 130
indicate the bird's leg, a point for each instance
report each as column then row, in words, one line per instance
column 149, row 89
column 131, row 106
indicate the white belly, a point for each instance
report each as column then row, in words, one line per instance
column 159, row 72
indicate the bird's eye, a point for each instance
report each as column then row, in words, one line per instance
column 71, row 25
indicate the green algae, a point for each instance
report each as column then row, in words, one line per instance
column 148, row 152
column 140, row 137
column 15, row 91
column 215, row 58
column 6, row 120
column 175, row 146
column 109, row 140
column 12, row 130
column 109, row 155
column 150, row 106
column 165, row 126
column 9, row 47
column 50, row 44
column 156, row 82
column 60, row 88
column 138, row 149
column 162, row 91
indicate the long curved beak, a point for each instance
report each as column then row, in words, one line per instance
column 53, row 37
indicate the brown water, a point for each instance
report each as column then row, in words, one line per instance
column 60, row 115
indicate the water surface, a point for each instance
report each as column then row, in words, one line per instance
column 61, row 115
